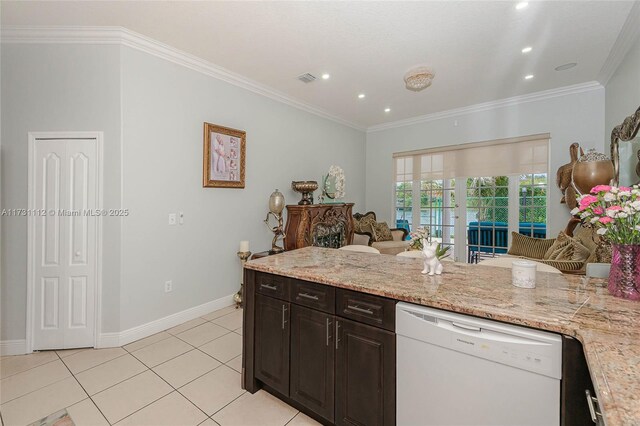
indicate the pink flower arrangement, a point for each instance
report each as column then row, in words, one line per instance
column 614, row 210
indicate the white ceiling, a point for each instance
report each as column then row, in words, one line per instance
column 473, row 46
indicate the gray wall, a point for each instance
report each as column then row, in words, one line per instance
column 56, row 88
column 152, row 112
column 164, row 107
column 571, row 118
column 622, row 100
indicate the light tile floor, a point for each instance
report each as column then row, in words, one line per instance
column 187, row 375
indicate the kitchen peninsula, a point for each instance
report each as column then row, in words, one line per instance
column 301, row 293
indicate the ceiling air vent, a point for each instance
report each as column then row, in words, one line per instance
column 306, row 78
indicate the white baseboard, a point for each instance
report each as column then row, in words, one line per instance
column 109, row 340
column 13, row 347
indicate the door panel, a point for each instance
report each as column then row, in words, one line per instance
column 79, row 202
column 365, row 375
column 272, row 342
column 312, row 360
column 50, row 200
column 65, row 188
column 49, row 306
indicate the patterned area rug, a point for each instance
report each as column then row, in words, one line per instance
column 59, row 418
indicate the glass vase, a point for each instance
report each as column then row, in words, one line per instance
column 624, row 278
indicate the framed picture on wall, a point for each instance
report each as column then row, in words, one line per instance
column 224, row 157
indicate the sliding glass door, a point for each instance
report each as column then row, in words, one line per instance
column 446, row 191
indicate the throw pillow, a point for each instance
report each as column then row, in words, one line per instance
column 561, row 249
column 364, row 224
column 381, row 232
column 523, row 245
column 580, row 252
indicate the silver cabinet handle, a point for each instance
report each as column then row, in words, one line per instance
column 308, row 296
column 328, row 325
column 269, row 287
column 592, row 409
column 359, row 309
column 337, row 333
column 284, row 310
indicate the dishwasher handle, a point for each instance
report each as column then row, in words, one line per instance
column 466, row 327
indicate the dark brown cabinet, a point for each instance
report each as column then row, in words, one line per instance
column 365, row 375
column 272, row 330
column 312, row 346
column 312, row 360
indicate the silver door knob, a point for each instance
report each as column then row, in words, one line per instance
column 78, row 253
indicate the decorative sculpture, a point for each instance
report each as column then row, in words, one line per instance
column 625, row 132
column 563, row 177
column 432, row 264
column 276, row 206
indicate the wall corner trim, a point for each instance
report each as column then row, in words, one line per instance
column 121, row 36
column 487, row 106
column 628, row 35
column 110, row 340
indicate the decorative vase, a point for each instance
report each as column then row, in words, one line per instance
column 624, row 278
column 590, row 170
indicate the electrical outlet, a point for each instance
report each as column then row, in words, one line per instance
column 168, row 286
column 172, row 218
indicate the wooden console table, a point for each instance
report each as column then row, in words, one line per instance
column 322, row 225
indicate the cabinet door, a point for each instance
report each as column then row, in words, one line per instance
column 312, row 360
column 272, row 342
column 365, row 375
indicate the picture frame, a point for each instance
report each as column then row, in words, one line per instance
column 224, row 157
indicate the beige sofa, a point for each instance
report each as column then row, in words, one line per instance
column 365, row 226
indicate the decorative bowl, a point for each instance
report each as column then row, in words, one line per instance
column 306, row 187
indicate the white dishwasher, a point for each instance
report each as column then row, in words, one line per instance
column 454, row 369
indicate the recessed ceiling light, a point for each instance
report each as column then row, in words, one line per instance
column 325, row 76
column 522, row 5
column 528, row 77
column 566, row 66
column 361, row 96
column 527, row 49
column 387, row 109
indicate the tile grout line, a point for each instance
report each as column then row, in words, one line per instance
column 171, row 386
column 31, row 368
column 198, row 348
column 41, row 387
column 84, row 390
column 148, row 368
column 97, row 365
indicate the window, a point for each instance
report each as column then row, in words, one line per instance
column 476, row 194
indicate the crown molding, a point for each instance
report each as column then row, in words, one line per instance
column 486, row 106
column 125, row 37
column 628, row 36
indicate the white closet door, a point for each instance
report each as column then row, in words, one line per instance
column 65, row 243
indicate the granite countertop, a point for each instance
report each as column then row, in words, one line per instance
column 608, row 327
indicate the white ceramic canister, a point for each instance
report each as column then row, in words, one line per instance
column 523, row 274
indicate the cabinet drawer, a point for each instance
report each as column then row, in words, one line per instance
column 366, row 308
column 316, row 296
column 272, row 285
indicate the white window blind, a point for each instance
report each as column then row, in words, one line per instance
column 525, row 155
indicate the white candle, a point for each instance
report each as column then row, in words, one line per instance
column 523, row 274
column 244, row 246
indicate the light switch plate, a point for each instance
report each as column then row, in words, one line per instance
column 172, row 218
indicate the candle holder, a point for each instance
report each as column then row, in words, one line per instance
column 244, row 256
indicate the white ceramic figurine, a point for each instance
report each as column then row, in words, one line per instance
column 431, row 263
